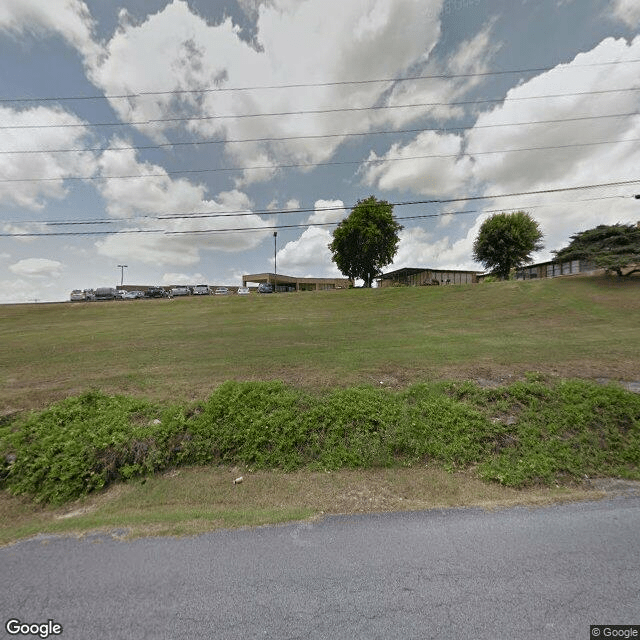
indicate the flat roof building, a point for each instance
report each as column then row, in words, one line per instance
column 283, row 282
column 422, row 276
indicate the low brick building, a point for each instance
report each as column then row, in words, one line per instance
column 282, row 282
column 553, row 269
column 422, row 276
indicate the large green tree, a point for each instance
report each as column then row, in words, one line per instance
column 613, row 247
column 506, row 241
column 366, row 240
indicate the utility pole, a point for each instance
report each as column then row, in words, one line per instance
column 275, row 264
column 122, row 267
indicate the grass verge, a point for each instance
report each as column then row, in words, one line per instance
column 195, row 500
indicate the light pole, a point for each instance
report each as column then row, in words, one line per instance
column 275, row 264
column 122, row 267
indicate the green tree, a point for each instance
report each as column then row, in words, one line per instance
column 612, row 247
column 366, row 241
column 506, row 241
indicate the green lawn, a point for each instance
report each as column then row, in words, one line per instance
column 177, row 351
column 182, row 349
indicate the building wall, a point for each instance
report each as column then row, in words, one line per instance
column 554, row 269
column 291, row 283
column 430, row 277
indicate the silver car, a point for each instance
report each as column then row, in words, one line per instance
column 201, row 290
column 133, row 295
column 77, row 296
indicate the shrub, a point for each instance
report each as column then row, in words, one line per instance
column 76, row 446
column 528, row 432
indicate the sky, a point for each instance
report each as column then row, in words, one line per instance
column 175, row 137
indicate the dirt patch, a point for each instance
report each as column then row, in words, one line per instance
column 75, row 513
column 615, row 486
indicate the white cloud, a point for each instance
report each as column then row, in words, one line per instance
column 55, row 167
column 18, row 290
column 519, row 170
column 327, row 211
column 175, row 49
column 290, row 205
column 473, row 56
column 168, row 230
column 155, row 195
column 252, row 7
column 180, row 241
column 69, row 18
column 405, row 168
column 528, row 171
column 37, row 268
column 446, row 171
column 182, row 278
column 420, row 248
column 628, row 11
column 309, row 255
column 580, row 165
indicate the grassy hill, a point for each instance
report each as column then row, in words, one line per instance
column 182, row 349
column 161, row 457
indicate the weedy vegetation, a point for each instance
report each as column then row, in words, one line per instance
column 530, row 432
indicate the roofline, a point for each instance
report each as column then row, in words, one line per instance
column 281, row 277
column 413, row 270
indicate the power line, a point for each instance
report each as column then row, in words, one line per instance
column 318, row 224
column 237, row 213
column 313, row 111
column 326, row 224
column 322, row 136
column 318, row 164
column 443, row 76
column 262, row 228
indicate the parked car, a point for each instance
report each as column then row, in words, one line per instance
column 222, row 291
column 89, row 294
column 133, row 295
column 201, row 290
column 243, row 291
column 77, row 296
column 119, row 293
column 155, row 292
column 180, row 291
column 265, row 287
column 105, row 293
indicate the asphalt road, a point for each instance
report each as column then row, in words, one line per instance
column 517, row 573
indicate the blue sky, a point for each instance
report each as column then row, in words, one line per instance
column 505, row 97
